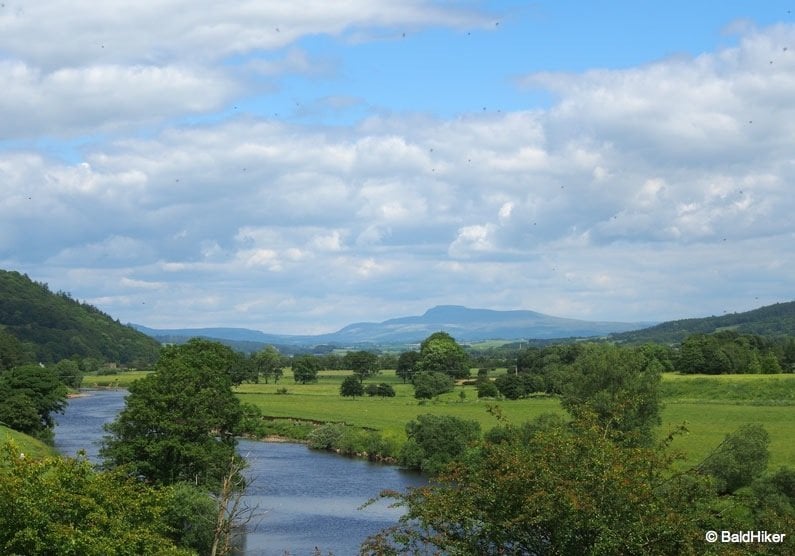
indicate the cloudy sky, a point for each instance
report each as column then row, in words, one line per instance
column 297, row 166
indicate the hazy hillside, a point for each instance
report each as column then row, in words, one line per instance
column 466, row 325
column 771, row 320
column 47, row 327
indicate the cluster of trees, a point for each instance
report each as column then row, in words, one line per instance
column 172, row 480
column 596, row 483
column 729, row 352
column 41, row 326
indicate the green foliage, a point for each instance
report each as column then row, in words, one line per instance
column 49, row 327
column 62, row 506
column 487, row 389
column 773, row 320
column 382, row 390
column 436, row 440
column 406, row 365
column 178, row 422
column 428, row 385
column 362, row 363
column 618, row 385
column 29, row 395
column 440, row 353
column 305, row 368
column 557, row 489
column 351, row 387
column 69, row 373
column 326, row 437
column 12, row 352
column 189, row 513
column 511, row 386
column 268, row 364
column 739, row 459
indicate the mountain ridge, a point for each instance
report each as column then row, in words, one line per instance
column 465, row 324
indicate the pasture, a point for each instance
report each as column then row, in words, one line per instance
column 709, row 406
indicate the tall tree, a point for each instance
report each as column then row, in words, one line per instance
column 619, row 385
column 440, row 353
column 29, row 396
column 351, row 387
column 305, row 368
column 362, row 363
column 406, row 365
column 179, row 422
column 267, row 362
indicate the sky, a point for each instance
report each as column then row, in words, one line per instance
column 294, row 167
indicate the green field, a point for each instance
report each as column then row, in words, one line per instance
column 709, row 406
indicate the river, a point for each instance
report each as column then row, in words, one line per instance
column 304, row 498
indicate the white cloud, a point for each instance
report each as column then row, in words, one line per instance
column 612, row 202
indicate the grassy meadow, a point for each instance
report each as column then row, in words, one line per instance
column 710, row 406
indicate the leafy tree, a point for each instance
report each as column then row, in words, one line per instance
column 620, row 386
column 487, row 389
column 362, row 363
column 383, row 390
column 430, row 385
column 30, row 388
column 387, row 361
column 62, row 506
column 69, row 373
column 178, row 424
column 512, row 386
column 406, row 365
column 739, row 459
column 770, row 364
column 199, row 352
column 435, row 440
column 351, row 387
column 268, row 364
column 305, row 368
column 440, row 353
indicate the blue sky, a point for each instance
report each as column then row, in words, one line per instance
column 297, row 167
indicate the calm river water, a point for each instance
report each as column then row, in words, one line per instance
column 304, row 498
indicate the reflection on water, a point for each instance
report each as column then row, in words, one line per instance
column 304, row 499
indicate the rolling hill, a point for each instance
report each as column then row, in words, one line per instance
column 772, row 320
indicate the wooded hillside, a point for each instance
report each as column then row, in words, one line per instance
column 37, row 325
column 772, row 320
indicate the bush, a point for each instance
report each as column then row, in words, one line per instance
column 326, row 437
column 430, row 385
column 739, row 459
column 488, row 390
column 436, row 440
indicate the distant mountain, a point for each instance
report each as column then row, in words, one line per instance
column 464, row 324
column 37, row 325
column 772, row 320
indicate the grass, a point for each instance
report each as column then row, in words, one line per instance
column 116, row 380
column 710, row 406
column 28, row 445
